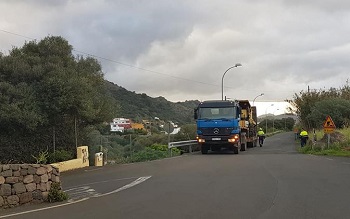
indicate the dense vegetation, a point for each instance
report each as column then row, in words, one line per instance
column 140, row 106
column 49, row 99
column 131, row 147
column 52, row 101
column 313, row 107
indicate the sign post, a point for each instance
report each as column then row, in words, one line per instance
column 328, row 128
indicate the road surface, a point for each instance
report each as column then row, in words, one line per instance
column 269, row 182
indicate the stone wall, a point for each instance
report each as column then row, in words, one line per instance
column 26, row 183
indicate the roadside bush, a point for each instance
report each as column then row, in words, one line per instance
column 148, row 154
column 42, row 157
column 159, row 147
column 154, row 152
column 56, row 194
column 59, row 156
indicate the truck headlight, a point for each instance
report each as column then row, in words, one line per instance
column 234, row 138
column 200, row 140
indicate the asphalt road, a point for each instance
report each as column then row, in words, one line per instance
column 269, row 182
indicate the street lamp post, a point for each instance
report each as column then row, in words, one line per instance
column 273, row 121
column 262, row 94
column 222, row 80
column 266, row 116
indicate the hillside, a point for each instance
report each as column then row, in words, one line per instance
column 140, row 106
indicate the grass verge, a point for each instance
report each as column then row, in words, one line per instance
column 340, row 148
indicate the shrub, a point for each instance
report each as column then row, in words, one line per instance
column 42, row 157
column 154, row 152
column 59, row 156
column 159, row 147
column 56, row 194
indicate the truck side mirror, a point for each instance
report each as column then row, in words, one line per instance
column 195, row 113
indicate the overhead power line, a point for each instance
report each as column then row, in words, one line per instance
column 17, row 34
column 119, row 63
column 131, row 66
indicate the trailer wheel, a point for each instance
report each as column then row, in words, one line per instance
column 250, row 144
column 255, row 142
column 204, row 149
column 244, row 146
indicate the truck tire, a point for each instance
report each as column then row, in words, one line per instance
column 244, row 146
column 235, row 150
column 204, row 149
column 243, row 139
column 250, row 144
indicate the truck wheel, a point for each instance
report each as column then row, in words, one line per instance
column 244, row 147
column 204, row 149
column 250, row 144
column 235, row 150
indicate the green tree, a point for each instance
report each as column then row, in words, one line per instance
column 338, row 109
column 49, row 98
column 304, row 103
column 187, row 132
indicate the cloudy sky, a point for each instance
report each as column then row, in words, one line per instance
column 181, row 49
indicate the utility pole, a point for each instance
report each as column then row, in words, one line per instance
column 132, row 152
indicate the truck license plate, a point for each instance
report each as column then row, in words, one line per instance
column 216, row 139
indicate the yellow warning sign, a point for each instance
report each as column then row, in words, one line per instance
column 328, row 125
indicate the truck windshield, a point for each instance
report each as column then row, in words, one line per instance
column 217, row 113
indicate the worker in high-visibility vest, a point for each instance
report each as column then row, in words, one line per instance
column 304, row 136
column 261, row 135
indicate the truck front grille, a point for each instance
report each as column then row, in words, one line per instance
column 216, row 131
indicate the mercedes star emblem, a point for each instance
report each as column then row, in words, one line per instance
column 216, row 131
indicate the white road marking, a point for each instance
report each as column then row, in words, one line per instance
column 98, row 182
column 42, row 209
column 80, row 193
column 128, row 186
column 132, row 184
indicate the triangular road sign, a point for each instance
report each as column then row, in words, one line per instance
column 329, row 124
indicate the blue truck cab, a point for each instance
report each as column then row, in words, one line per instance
column 218, row 125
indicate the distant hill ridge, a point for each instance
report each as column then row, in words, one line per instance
column 140, row 106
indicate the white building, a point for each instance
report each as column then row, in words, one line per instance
column 116, row 128
column 120, row 124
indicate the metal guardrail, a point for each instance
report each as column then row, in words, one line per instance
column 182, row 144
